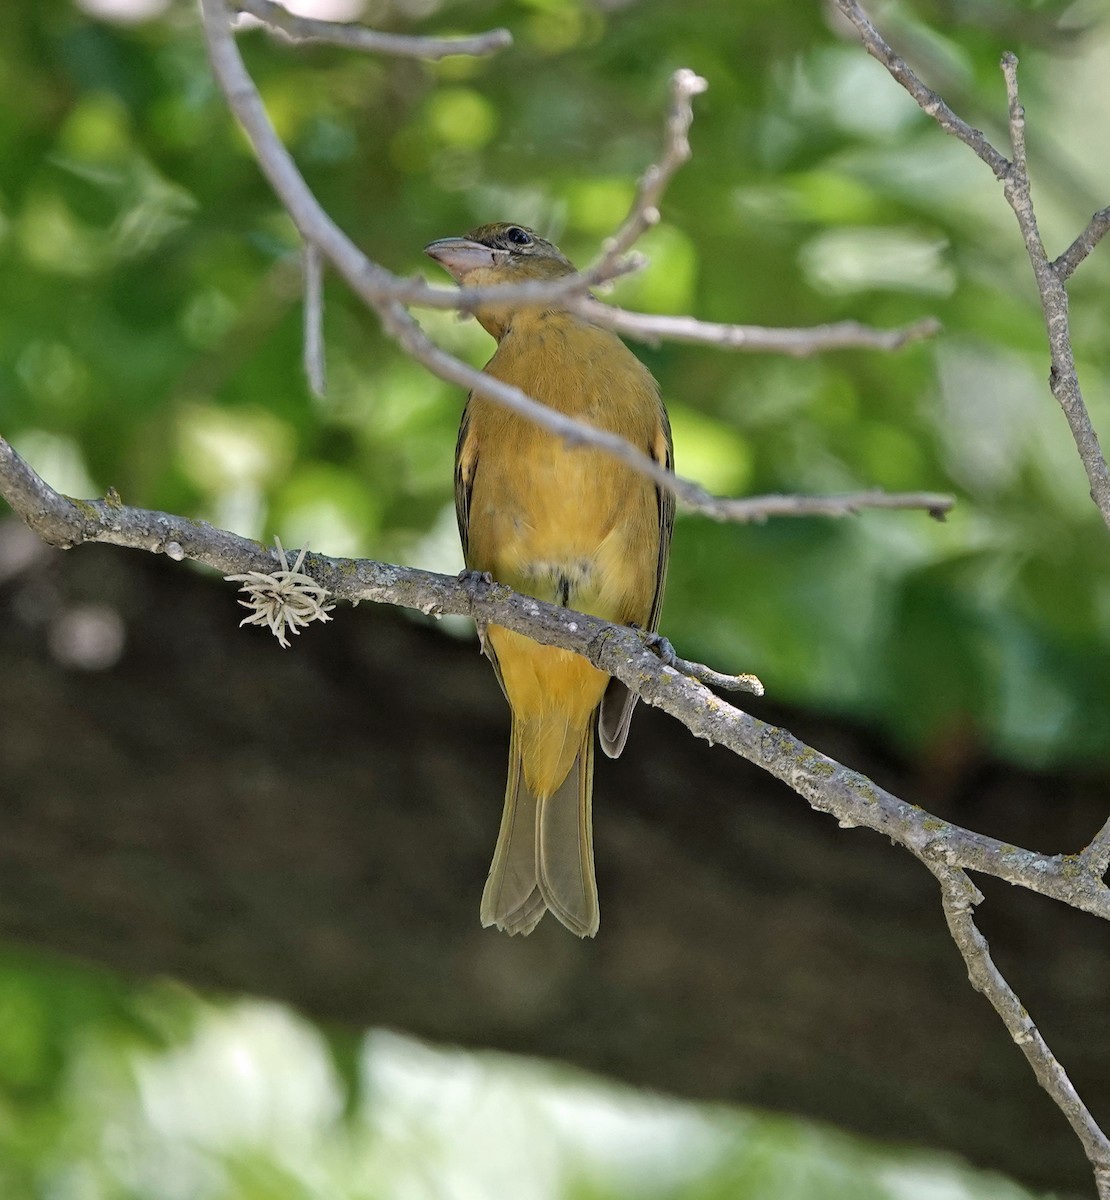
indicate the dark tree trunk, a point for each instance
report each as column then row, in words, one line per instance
column 315, row 825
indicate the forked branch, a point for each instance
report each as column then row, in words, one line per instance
column 1050, row 276
column 387, row 294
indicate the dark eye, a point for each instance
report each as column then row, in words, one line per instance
column 518, row 236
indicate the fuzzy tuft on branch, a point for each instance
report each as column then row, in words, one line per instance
column 286, row 600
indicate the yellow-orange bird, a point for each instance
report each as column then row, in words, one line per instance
column 564, row 524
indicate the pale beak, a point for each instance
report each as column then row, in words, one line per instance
column 459, row 256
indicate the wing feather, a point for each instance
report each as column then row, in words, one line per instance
column 618, row 702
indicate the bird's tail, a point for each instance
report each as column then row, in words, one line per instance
column 545, row 852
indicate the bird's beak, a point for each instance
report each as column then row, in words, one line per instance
column 460, row 256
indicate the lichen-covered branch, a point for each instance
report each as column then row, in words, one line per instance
column 827, row 785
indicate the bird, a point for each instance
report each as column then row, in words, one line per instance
column 567, row 524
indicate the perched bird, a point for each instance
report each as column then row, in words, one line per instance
column 570, row 525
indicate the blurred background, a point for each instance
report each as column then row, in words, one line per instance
column 162, row 1036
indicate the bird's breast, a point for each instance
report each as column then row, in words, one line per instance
column 566, row 523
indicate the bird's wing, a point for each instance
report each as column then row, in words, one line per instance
column 466, row 463
column 618, row 702
column 663, row 453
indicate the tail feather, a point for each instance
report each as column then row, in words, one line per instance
column 544, row 856
column 616, row 715
column 512, row 899
column 525, row 918
column 565, row 845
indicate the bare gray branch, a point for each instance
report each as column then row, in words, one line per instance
column 1096, row 229
column 798, row 343
column 685, row 85
column 314, row 363
column 1063, row 379
column 959, row 897
column 358, row 37
column 928, row 101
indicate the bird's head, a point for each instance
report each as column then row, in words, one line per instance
column 497, row 254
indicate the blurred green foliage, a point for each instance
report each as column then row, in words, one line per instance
column 150, row 327
column 155, row 1093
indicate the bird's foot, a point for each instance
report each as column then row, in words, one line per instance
column 704, row 674
column 473, row 580
column 661, row 645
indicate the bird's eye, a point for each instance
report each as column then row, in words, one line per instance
column 518, row 236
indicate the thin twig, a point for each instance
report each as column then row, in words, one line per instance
column 399, row 324
column 799, row 343
column 827, row 785
column 358, row 37
column 959, row 897
column 1063, row 377
column 1097, row 228
column 927, row 100
column 756, row 509
column 644, row 213
column 315, row 368
column 368, row 279
column 1018, row 193
column 751, row 684
column 1016, row 112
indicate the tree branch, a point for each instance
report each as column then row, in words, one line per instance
column 411, row 338
column 927, row 100
column 314, row 363
column 685, row 85
column 959, row 897
column 1096, row 229
column 756, row 509
column 386, row 294
column 799, row 343
column 357, row 37
column 828, row 786
column 1050, row 277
